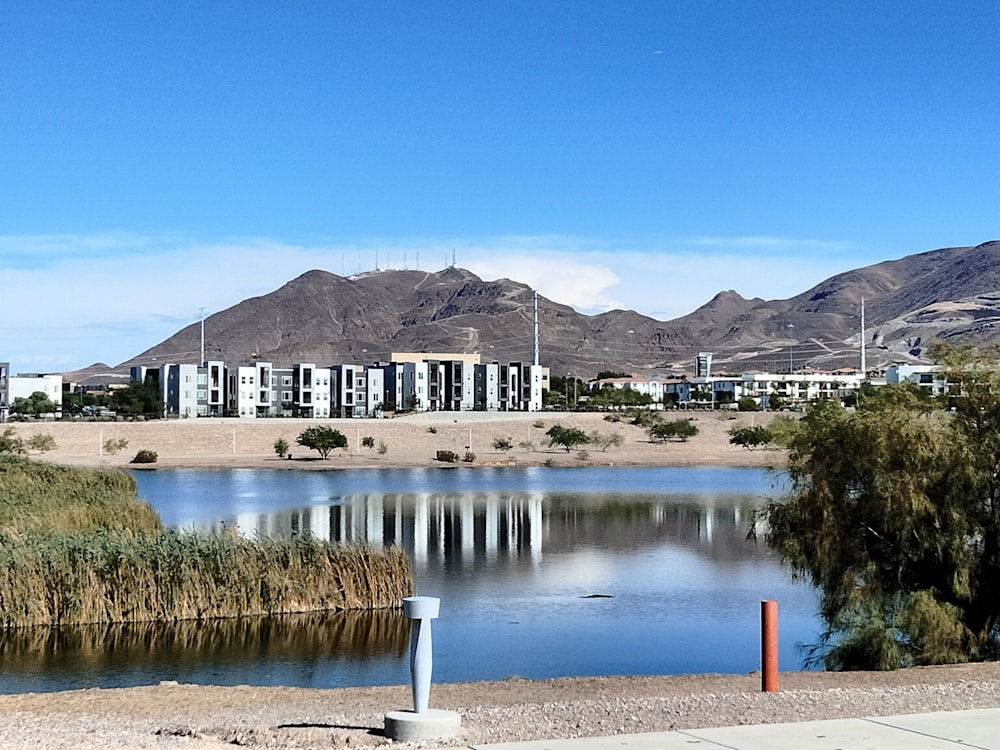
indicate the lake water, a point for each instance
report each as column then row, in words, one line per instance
column 542, row 572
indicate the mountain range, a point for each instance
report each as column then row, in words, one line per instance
column 951, row 294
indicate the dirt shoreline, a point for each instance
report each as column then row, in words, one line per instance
column 410, row 441
column 169, row 715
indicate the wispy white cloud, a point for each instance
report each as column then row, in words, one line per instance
column 109, row 296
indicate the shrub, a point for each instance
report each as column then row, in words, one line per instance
column 383, row 447
column 145, row 456
column 606, row 440
column 112, row 446
column 747, row 403
column 502, row 444
column 432, row 430
column 469, row 457
column 368, row 442
column 281, row 447
column 447, row 456
column 41, row 442
column 582, row 456
column 643, row 418
column 10, row 443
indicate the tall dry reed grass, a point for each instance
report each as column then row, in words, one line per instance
column 76, row 546
column 117, row 576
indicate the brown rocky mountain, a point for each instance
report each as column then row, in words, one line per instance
column 951, row 294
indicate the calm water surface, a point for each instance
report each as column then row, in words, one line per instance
column 541, row 573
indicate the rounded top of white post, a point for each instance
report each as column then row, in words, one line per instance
column 421, row 607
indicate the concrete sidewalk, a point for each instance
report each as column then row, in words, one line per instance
column 946, row 730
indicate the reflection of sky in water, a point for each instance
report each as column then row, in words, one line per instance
column 517, row 555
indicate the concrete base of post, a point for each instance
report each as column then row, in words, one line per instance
column 433, row 724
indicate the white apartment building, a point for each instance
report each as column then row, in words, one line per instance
column 928, row 377
column 182, row 388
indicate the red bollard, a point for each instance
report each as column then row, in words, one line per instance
column 769, row 646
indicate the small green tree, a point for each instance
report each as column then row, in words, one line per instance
column 747, row 403
column 281, row 447
column 322, row 439
column 677, row 429
column 567, row 437
column 750, row 437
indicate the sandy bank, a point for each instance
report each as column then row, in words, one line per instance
column 410, row 441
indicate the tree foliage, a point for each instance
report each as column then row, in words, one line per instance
column 677, row 429
column 894, row 513
column 610, row 397
column 37, row 404
column 750, row 437
column 567, row 437
column 323, row 439
column 138, row 398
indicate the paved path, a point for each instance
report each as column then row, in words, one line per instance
column 947, row 730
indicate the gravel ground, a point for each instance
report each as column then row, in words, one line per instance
column 200, row 717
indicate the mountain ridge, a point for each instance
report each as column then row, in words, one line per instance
column 951, row 294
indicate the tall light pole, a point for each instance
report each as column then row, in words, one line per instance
column 630, row 354
column 791, row 352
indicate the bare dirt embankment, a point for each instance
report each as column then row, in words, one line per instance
column 409, row 441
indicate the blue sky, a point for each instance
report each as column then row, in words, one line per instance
column 158, row 158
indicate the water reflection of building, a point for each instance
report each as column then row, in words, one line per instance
column 458, row 528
